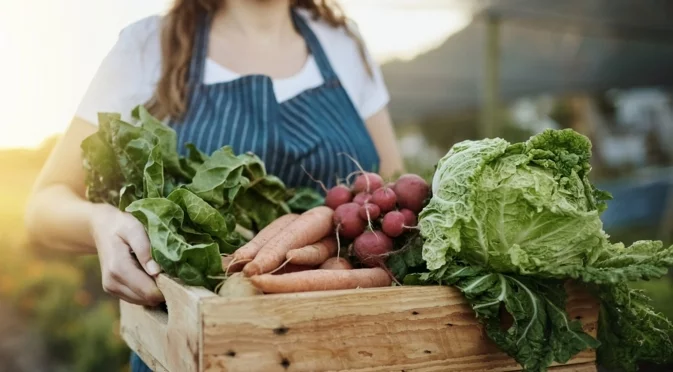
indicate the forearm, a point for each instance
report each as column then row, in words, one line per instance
column 58, row 218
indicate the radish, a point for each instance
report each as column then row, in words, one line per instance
column 367, row 182
column 237, row 285
column 348, row 221
column 369, row 211
column 411, row 191
column 385, row 198
column 409, row 218
column 372, row 248
column 393, row 224
column 337, row 195
column 362, row 198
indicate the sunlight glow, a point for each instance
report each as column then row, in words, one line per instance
column 48, row 61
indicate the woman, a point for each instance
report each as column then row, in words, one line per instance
column 287, row 80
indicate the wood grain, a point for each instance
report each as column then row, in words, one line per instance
column 383, row 329
column 166, row 341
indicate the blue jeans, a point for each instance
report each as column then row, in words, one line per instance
column 137, row 364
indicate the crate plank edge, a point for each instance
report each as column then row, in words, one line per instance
column 409, row 328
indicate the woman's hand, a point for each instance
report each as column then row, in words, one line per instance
column 118, row 236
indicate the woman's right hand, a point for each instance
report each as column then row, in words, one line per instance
column 118, row 235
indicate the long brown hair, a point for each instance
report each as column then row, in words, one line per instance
column 177, row 39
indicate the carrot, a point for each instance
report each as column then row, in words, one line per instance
column 314, row 254
column 292, row 268
column 336, row 263
column 322, row 280
column 248, row 251
column 308, row 228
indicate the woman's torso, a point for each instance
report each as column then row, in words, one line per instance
column 304, row 135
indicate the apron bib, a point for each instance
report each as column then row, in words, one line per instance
column 303, row 137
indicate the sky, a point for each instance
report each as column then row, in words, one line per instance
column 51, row 49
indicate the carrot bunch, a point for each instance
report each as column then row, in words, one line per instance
column 299, row 253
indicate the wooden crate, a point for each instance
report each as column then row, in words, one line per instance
column 384, row 329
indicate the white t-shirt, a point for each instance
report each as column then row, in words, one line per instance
column 129, row 73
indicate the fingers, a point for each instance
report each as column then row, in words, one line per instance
column 140, row 283
column 124, row 278
column 135, row 236
column 125, row 294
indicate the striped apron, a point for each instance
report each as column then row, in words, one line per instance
column 310, row 131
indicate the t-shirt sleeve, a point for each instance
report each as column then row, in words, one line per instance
column 122, row 80
column 373, row 95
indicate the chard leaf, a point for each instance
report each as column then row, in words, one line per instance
column 153, row 180
column 195, row 158
column 408, row 258
column 630, row 330
column 541, row 332
column 263, row 202
column 131, row 146
column 304, row 199
column 103, row 176
column 207, row 219
column 167, row 140
column 219, row 179
column 127, row 196
column 163, row 221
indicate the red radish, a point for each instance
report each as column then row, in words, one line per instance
column 337, row 195
column 362, row 198
column 385, row 198
column 393, row 224
column 367, row 182
column 372, row 248
column 369, row 211
column 348, row 221
column 411, row 190
column 409, row 218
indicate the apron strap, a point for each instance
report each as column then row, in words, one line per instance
column 199, row 51
column 315, row 48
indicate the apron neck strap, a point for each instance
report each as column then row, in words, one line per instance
column 200, row 49
column 314, row 47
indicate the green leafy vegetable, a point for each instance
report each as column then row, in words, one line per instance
column 408, row 258
column 507, row 223
column 631, row 328
column 163, row 220
column 194, row 207
column 541, row 332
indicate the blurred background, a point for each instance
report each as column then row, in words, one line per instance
column 455, row 69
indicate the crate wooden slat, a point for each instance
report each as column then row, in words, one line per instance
column 384, row 329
